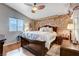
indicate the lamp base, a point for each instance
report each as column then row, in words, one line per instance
column 70, row 36
column 76, row 43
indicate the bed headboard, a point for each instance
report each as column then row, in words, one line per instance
column 54, row 28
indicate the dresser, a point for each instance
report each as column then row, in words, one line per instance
column 1, row 46
column 2, row 40
column 69, row 49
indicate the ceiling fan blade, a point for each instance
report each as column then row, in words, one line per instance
column 28, row 4
column 40, row 7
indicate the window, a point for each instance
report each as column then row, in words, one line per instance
column 15, row 24
column 20, row 25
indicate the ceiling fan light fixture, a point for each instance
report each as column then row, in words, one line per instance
column 33, row 11
column 34, row 8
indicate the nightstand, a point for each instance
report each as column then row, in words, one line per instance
column 59, row 39
column 65, row 38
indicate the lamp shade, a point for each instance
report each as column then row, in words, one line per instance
column 70, row 26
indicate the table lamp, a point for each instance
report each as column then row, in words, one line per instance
column 70, row 27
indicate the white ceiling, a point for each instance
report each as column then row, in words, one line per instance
column 49, row 10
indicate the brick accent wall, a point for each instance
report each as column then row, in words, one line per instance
column 58, row 21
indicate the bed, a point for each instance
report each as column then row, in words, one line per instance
column 39, row 42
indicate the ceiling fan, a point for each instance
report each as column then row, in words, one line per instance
column 72, row 8
column 35, row 6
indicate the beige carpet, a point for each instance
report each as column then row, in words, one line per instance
column 54, row 50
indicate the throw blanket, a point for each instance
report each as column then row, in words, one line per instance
column 40, row 36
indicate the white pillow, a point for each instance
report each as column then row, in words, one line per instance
column 43, row 29
column 46, row 29
column 49, row 29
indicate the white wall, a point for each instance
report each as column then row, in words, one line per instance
column 5, row 13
